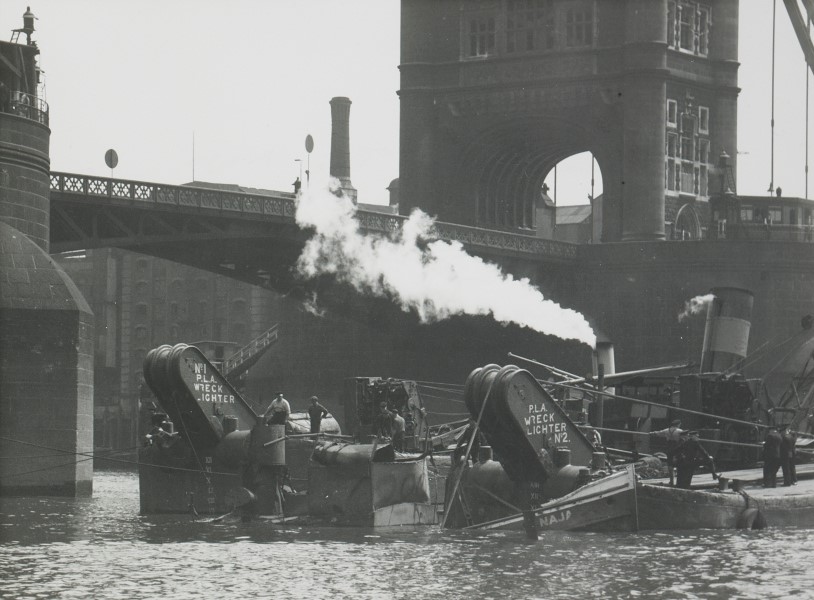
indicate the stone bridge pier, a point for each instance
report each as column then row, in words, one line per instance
column 46, row 327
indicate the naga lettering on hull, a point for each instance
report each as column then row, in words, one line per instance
column 557, row 517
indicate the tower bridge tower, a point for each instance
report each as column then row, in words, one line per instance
column 494, row 93
column 46, row 326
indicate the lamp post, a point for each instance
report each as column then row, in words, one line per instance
column 725, row 208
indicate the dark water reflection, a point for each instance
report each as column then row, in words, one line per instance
column 102, row 548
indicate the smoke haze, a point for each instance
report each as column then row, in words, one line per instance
column 434, row 278
column 693, row 306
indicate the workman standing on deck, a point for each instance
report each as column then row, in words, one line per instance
column 673, row 436
column 788, row 454
column 385, row 420
column 278, row 411
column 316, row 412
column 771, row 457
column 689, row 455
column 398, row 431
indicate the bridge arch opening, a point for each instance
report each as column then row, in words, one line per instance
column 508, row 169
column 575, row 191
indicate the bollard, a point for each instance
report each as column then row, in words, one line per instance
column 229, row 424
column 562, row 457
column 723, row 484
column 597, row 461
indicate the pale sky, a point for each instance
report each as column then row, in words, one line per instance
column 250, row 79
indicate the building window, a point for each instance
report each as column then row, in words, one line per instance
column 703, row 30
column 481, row 36
column 688, row 25
column 670, row 173
column 579, row 27
column 141, row 333
column 524, row 20
column 775, row 214
column 747, row 216
column 703, row 119
column 174, row 310
column 141, row 310
column 672, row 113
column 687, row 148
column 524, row 26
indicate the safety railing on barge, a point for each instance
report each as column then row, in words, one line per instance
column 283, row 204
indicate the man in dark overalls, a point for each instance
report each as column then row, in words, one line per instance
column 689, row 455
column 788, row 454
column 771, row 457
column 673, row 436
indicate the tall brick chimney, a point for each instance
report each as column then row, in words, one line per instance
column 340, row 144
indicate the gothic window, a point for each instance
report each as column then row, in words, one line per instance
column 672, row 149
column 523, row 26
column 579, row 26
column 672, row 113
column 529, row 25
column 481, row 35
column 687, row 148
column 703, row 30
column 687, row 224
column 688, row 26
column 703, row 119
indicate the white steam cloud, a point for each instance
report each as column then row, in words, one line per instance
column 693, row 306
column 436, row 279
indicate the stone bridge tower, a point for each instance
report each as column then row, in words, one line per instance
column 494, row 93
column 46, row 326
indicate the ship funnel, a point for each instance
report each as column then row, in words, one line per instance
column 340, row 145
column 603, row 356
column 726, row 337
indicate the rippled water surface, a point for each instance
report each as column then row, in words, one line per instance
column 103, row 548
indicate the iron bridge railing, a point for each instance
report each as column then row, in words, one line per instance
column 139, row 193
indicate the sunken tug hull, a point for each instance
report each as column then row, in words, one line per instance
column 223, row 457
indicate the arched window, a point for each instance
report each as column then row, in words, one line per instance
column 687, row 224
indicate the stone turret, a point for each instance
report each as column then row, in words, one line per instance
column 46, row 346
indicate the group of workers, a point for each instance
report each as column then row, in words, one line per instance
column 685, row 454
column 779, row 450
column 391, row 424
column 279, row 411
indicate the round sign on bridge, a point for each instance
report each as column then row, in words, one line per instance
column 309, row 143
column 111, row 158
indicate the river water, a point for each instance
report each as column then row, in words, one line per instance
column 103, row 548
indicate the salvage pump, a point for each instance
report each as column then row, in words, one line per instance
column 225, row 442
column 541, row 453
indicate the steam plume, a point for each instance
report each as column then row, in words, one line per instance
column 436, row 279
column 693, row 306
